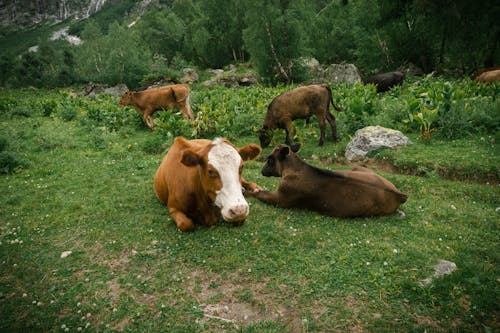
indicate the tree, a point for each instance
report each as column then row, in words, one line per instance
column 274, row 38
column 118, row 57
column 163, row 32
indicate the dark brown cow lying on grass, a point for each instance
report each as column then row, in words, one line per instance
column 299, row 103
column 385, row 81
column 356, row 193
column 167, row 97
column 199, row 180
column 489, row 76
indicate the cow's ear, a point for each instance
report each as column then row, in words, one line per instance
column 249, row 152
column 191, row 159
column 283, row 152
column 296, row 147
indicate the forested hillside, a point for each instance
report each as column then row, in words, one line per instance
column 131, row 41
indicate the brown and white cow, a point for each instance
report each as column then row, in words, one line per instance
column 199, row 180
column 356, row 193
column 299, row 103
column 167, row 97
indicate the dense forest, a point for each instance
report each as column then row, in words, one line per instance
column 447, row 36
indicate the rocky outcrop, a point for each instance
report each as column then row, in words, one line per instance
column 24, row 13
column 190, row 76
column 372, row 138
column 333, row 73
column 231, row 78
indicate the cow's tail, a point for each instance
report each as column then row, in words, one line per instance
column 330, row 96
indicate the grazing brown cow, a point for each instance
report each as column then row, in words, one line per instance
column 489, row 76
column 200, row 179
column 480, row 71
column 356, row 193
column 299, row 103
column 385, row 81
column 167, row 97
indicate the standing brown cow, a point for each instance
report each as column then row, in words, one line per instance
column 299, row 103
column 167, row 97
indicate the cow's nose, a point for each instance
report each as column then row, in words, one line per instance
column 238, row 213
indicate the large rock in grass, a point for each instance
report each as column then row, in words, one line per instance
column 372, row 138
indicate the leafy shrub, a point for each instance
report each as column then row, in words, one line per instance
column 7, row 103
column 8, row 162
column 469, row 117
column 48, row 106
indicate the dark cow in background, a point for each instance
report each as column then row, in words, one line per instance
column 356, row 193
column 385, row 81
column 489, row 76
column 299, row 103
column 200, row 180
column 166, row 97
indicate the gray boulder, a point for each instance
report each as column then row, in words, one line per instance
column 372, row 138
column 337, row 73
column 190, row 76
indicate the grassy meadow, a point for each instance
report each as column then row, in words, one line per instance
column 77, row 175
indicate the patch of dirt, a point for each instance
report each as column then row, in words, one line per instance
column 114, row 289
column 429, row 322
column 122, row 324
column 240, row 303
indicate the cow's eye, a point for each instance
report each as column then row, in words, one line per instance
column 213, row 173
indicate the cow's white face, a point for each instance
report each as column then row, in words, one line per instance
column 227, row 162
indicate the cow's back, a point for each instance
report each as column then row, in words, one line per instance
column 173, row 178
column 299, row 102
column 360, row 192
column 489, row 76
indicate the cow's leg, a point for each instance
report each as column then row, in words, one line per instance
column 249, row 186
column 288, row 131
column 333, row 124
column 267, row 197
column 322, row 129
column 146, row 115
column 183, row 222
column 187, row 111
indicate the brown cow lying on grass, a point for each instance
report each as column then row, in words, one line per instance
column 199, row 180
column 489, row 76
column 385, row 81
column 299, row 103
column 167, row 97
column 356, row 193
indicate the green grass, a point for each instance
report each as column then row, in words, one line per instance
column 86, row 186
column 446, row 159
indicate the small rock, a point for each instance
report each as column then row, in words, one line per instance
column 65, row 254
column 443, row 267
